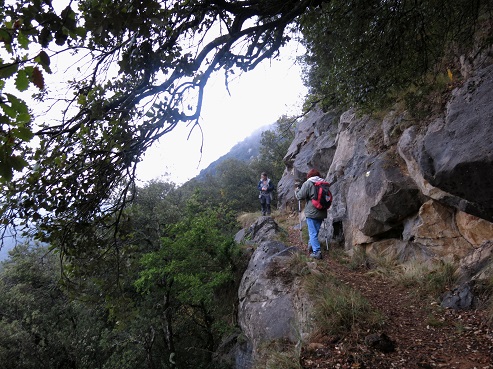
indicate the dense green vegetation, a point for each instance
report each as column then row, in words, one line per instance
column 375, row 53
column 140, row 68
column 130, row 277
column 166, row 299
column 136, row 69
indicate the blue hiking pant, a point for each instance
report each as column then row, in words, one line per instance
column 313, row 229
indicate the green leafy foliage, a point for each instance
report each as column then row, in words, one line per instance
column 165, row 299
column 274, row 146
column 366, row 53
column 24, row 27
column 195, row 254
column 15, row 129
column 138, row 70
column 234, row 184
column 39, row 326
column 191, row 274
column 193, row 268
column 155, row 207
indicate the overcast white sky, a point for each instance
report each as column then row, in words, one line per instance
column 258, row 98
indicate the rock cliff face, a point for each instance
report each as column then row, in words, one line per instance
column 413, row 188
column 272, row 306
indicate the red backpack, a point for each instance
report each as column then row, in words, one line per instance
column 323, row 198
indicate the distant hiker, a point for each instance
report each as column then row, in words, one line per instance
column 265, row 186
column 314, row 216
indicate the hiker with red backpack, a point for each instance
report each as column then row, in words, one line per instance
column 318, row 199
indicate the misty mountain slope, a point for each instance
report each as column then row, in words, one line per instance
column 245, row 150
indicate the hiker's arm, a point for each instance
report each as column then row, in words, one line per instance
column 302, row 193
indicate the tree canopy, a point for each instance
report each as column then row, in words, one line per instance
column 136, row 70
column 371, row 53
column 178, row 279
column 148, row 276
column 129, row 72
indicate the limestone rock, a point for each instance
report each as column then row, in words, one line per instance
column 475, row 271
column 264, row 228
column 313, row 146
column 478, row 264
column 434, row 227
column 402, row 251
column 474, row 229
column 460, row 298
column 407, row 149
column 269, row 302
column 285, row 191
column 314, row 143
column 457, row 152
column 452, row 161
column 382, row 197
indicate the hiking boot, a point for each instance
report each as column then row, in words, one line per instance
column 316, row 255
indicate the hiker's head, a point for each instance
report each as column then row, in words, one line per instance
column 313, row 173
column 263, row 175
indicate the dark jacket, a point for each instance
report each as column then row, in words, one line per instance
column 268, row 184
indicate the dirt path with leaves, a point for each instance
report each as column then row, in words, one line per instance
column 416, row 333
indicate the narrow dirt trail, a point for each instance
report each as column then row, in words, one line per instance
column 424, row 334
